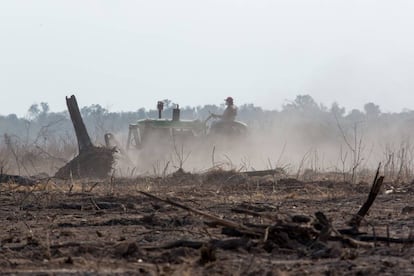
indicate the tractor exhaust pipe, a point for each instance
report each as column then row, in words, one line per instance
column 160, row 107
column 176, row 114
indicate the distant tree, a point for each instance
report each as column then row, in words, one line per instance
column 12, row 118
column 168, row 103
column 251, row 114
column 372, row 110
column 34, row 110
column 205, row 111
column 45, row 107
column 355, row 116
column 93, row 110
column 302, row 103
column 337, row 110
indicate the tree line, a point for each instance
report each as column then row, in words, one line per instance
column 303, row 112
column 305, row 133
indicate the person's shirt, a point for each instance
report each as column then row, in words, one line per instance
column 229, row 113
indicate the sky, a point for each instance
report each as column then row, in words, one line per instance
column 125, row 54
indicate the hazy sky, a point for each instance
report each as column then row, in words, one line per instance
column 128, row 54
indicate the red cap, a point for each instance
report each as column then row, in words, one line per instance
column 229, row 99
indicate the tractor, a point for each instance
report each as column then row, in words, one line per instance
column 148, row 132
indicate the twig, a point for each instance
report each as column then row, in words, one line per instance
column 212, row 156
column 92, row 187
column 94, row 204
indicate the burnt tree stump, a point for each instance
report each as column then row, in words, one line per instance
column 84, row 141
column 92, row 161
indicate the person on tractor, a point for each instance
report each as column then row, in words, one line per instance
column 230, row 113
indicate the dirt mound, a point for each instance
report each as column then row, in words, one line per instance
column 95, row 162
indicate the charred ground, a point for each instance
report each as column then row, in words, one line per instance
column 110, row 226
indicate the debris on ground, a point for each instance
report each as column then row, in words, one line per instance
column 16, row 179
column 180, row 225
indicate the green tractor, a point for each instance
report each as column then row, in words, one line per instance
column 149, row 132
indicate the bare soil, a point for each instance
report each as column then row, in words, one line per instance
column 99, row 227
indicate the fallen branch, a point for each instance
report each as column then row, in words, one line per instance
column 229, row 244
column 264, row 172
column 217, row 220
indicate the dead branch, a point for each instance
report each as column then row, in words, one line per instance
column 217, row 220
column 375, row 188
column 228, row 244
column 264, row 172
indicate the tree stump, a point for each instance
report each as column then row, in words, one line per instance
column 92, row 161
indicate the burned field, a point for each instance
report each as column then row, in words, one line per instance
column 218, row 222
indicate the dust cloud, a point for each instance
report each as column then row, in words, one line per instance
column 302, row 139
column 297, row 145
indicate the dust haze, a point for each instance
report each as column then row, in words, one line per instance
column 303, row 139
